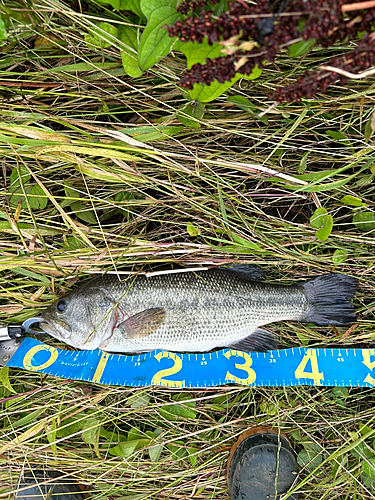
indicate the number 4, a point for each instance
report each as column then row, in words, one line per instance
column 314, row 375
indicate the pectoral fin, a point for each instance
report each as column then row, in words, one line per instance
column 259, row 341
column 143, row 323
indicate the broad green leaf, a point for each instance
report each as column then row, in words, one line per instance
column 318, row 219
column 353, row 201
column 15, row 178
column 149, row 134
column 177, row 449
column 31, row 274
column 339, row 136
column 361, row 451
column 244, row 103
column 116, row 4
column 340, row 392
column 3, row 33
column 74, row 243
column 207, row 93
column 37, row 198
column 128, row 35
column 156, row 42
column 83, row 213
column 155, row 452
column 133, row 5
column 198, row 52
column 323, row 233
column 368, row 467
column 192, row 230
column 312, row 447
column 339, row 256
column 97, row 36
column 370, row 127
column 135, row 433
column 245, row 243
column 190, row 114
column 365, row 221
column 322, row 221
column 71, row 193
column 336, row 134
column 368, row 481
column 124, row 449
column 139, row 400
column 91, row 429
column 309, row 459
column 176, row 412
column 28, row 418
column 193, row 455
column 365, row 429
column 303, row 163
column 4, row 379
column 269, row 407
column 299, row 48
column 51, row 431
column 71, row 425
column 136, row 440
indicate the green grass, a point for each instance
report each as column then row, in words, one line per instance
column 111, row 181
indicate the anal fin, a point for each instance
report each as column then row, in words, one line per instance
column 259, row 341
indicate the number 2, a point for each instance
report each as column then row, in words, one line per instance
column 158, row 379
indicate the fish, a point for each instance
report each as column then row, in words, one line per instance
column 194, row 311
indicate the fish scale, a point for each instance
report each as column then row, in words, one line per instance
column 192, row 311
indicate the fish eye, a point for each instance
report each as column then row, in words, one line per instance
column 61, row 306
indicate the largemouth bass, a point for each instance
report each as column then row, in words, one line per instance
column 193, row 311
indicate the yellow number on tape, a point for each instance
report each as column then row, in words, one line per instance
column 314, row 375
column 367, row 353
column 157, row 379
column 100, row 368
column 30, row 354
column 251, row 375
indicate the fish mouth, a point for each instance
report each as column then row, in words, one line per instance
column 63, row 332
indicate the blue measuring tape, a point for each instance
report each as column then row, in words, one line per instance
column 285, row 367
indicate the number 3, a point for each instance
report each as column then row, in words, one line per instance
column 251, row 375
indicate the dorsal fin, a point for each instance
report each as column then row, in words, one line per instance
column 251, row 272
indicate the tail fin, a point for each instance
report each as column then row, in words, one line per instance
column 329, row 299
